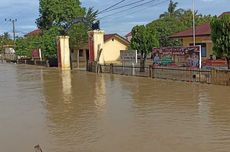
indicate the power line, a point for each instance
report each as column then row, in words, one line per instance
column 136, row 6
column 129, row 4
column 128, row 9
column 112, row 6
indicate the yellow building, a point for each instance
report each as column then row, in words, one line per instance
column 109, row 44
column 203, row 38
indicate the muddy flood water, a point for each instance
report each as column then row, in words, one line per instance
column 84, row 112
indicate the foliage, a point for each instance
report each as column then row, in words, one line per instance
column 143, row 40
column 172, row 11
column 66, row 17
column 221, row 36
column 173, row 21
column 5, row 40
column 58, row 12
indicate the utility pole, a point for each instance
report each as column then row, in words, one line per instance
column 194, row 24
column 13, row 23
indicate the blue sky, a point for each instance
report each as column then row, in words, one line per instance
column 26, row 12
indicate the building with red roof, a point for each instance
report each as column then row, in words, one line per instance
column 34, row 32
column 128, row 36
column 203, row 38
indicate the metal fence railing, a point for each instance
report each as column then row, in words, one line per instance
column 219, row 77
column 181, row 74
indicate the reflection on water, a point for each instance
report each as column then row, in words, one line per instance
column 80, row 111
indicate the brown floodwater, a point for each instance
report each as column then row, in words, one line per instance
column 79, row 111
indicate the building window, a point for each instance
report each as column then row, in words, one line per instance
column 81, row 53
column 203, row 49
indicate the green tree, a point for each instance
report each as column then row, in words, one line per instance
column 221, row 37
column 143, row 40
column 172, row 22
column 5, row 40
column 58, row 13
column 172, row 11
column 64, row 17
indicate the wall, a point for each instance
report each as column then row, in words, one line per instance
column 111, row 50
column 204, row 39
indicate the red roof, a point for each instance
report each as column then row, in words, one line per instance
column 34, row 32
column 110, row 36
column 201, row 30
column 225, row 13
column 129, row 34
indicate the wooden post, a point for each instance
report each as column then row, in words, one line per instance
column 111, row 68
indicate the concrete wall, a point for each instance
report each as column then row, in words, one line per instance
column 111, row 50
column 205, row 39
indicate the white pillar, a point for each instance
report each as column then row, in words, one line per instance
column 98, row 43
column 64, row 53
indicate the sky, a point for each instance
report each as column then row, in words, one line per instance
column 118, row 21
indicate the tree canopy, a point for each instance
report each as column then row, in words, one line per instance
column 175, row 20
column 221, row 36
column 57, row 16
column 143, row 40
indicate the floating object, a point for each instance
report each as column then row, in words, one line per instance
column 37, row 148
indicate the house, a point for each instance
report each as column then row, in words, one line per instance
column 203, row 38
column 128, row 36
column 110, row 44
column 35, row 32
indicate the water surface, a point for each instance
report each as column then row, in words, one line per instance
column 80, row 111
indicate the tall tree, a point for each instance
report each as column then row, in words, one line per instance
column 221, row 37
column 168, row 25
column 143, row 40
column 58, row 13
column 66, row 17
column 172, row 11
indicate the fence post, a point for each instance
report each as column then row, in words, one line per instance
column 133, row 69
column 111, row 68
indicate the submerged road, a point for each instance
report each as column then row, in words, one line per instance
column 80, row 111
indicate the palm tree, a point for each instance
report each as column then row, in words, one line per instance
column 91, row 16
column 172, row 11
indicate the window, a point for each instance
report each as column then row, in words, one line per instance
column 81, row 53
column 203, row 49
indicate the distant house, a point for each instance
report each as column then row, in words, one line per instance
column 203, row 38
column 128, row 36
column 34, row 32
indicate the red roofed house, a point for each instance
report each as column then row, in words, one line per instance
column 128, row 36
column 34, row 32
column 203, row 38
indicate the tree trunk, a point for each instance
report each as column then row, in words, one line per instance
column 142, row 63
